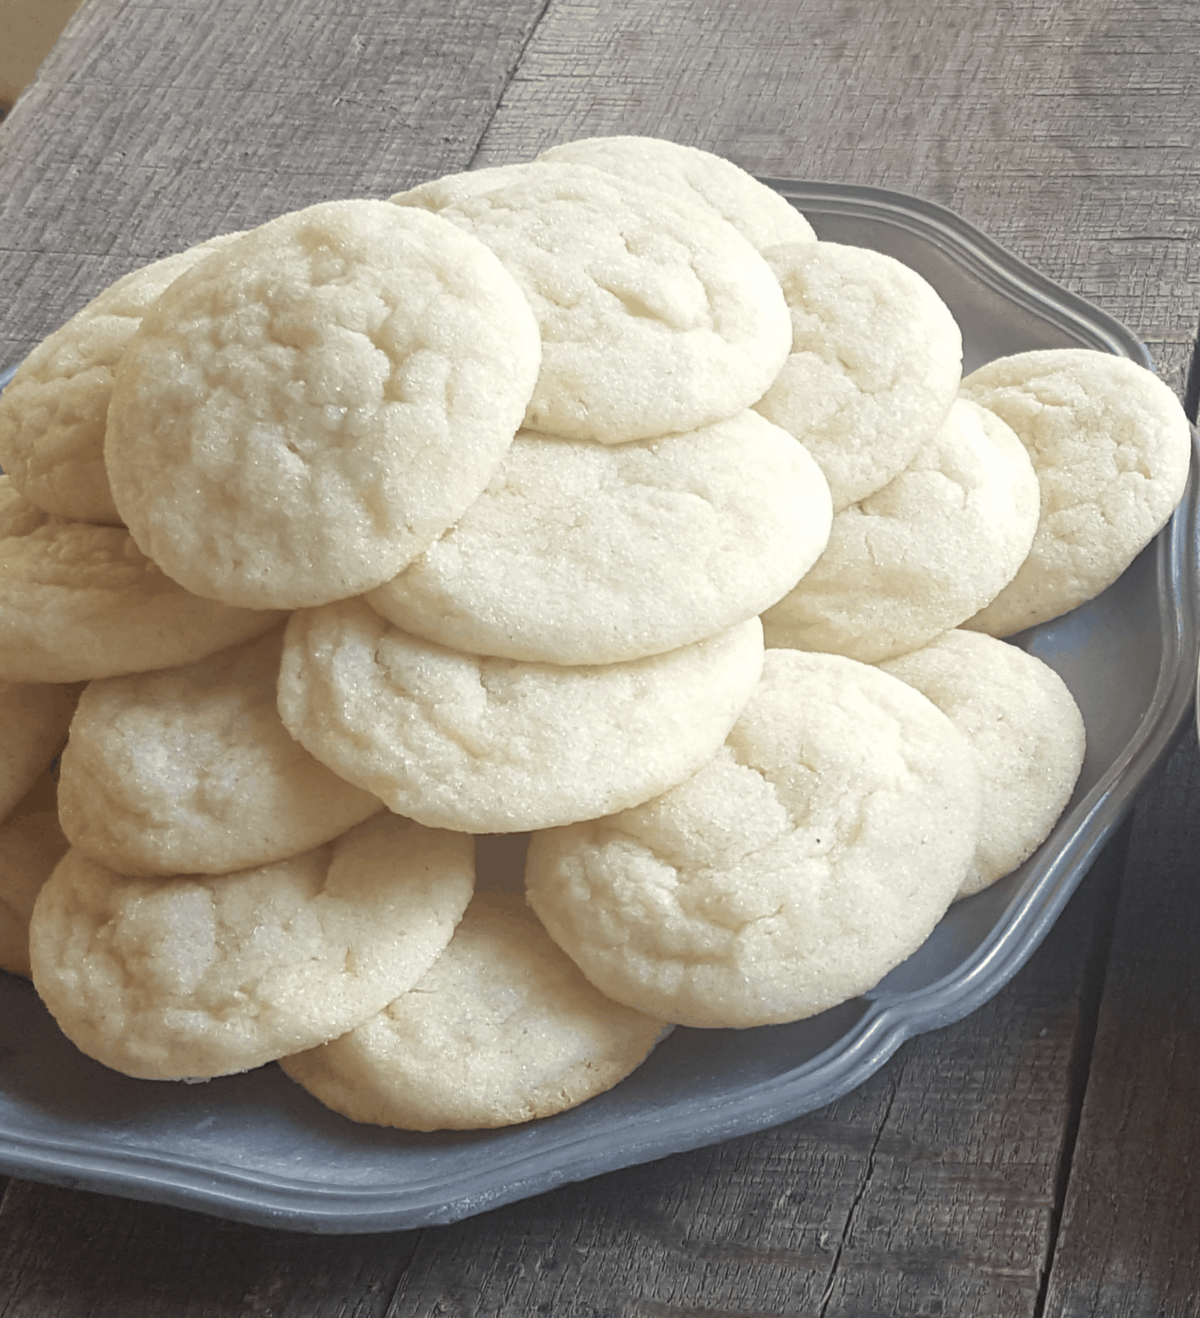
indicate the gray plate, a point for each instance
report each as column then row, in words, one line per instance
column 256, row 1148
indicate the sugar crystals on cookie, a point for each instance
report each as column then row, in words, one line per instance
column 190, row 976
column 812, row 854
column 300, row 416
column 1111, row 447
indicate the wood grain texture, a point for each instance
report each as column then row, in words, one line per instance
column 1130, row 1240
column 151, row 127
column 1068, row 132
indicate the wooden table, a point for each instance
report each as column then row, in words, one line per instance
column 1036, row 1158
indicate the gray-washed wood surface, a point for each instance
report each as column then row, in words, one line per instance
column 1036, row 1158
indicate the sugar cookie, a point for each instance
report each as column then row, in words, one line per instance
column 201, row 975
column 53, row 411
column 499, row 746
column 502, row 1028
column 1025, row 728
column 922, row 554
column 80, row 601
column 190, row 770
column 1111, row 447
column 758, row 212
column 302, row 414
column 815, row 852
column 584, row 553
column 656, row 315
column 875, row 362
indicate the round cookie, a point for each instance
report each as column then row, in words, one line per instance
column 300, row 416
column 79, row 602
column 758, row 212
column 1025, row 728
column 34, row 718
column 190, row 770
column 922, row 554
column 875, row 363
column 656, row 315
column 584, row 553
column 53, row 411
column 815, row 852
column 502, row 1028
column 199, row 975
column 496, row 745
column 1111, row 447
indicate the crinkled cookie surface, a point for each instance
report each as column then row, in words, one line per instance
column 190, row 770
column 1025, row 729
column 54, row 411
column 585, row 553
column 758, row 212
column 496, row 745
column 301, row 415
column 924, row 553
column 502, row 1028
column 203, row 975
column 875, row 363
column 1111, row 447
column 79, row 601
column 656, row 315
column 815, row 852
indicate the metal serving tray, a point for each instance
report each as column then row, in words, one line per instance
column 257, row 1148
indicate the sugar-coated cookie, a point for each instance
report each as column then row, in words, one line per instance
column 1111, row 447
column 201, row 975
column 922, row 554
column 496, row 745
column 301, row 415
column 34, row 718
column 79, row 601
column 585, row 553
column 656, row 315
column 53, row 411
column 759, row 213
column 1023, row 724
column 875, row 363
column 502, row 1028
column 815, row 852
column 190, row 770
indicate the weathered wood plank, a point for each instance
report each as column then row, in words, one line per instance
column 151, row 127
column 1068, row 132
column 1130, row 1240
column 118, row 1259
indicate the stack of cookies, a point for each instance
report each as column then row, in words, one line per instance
column 591, row 505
